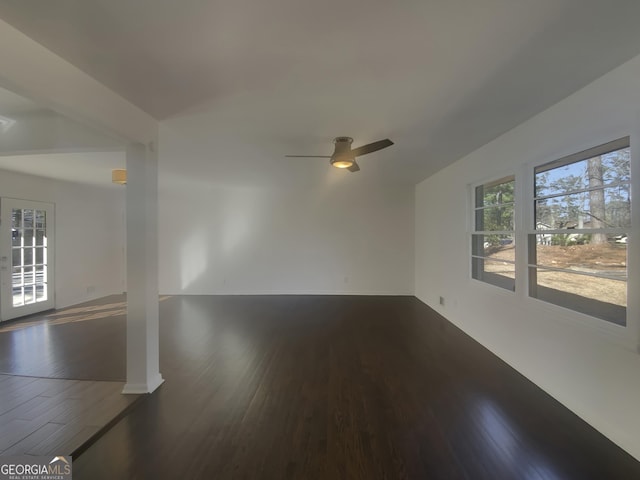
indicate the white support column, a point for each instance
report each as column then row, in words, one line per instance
column 31, row 70
column 143, row 369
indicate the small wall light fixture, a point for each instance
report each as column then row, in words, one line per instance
column 119, row 176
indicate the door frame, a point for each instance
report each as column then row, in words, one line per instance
column 7, row 310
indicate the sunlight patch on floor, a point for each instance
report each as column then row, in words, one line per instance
column 76, row 314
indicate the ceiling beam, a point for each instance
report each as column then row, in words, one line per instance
column 31, row 70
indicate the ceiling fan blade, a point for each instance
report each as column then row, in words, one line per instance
column 372, row 147
column 308, row 156
column 354, row 168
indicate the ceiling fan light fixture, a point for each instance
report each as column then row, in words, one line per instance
column 342, row 161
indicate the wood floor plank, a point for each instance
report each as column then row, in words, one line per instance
column 58, row 388
column 31, row 441
column 61, row 438
column 22, row 410
column 15, row 393
column 17, row 386
column 95, row 405
column 53, row 407
column 77, row 390
column 74, row 442
column 107, row 409
column 17, row 429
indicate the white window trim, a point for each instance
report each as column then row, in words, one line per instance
column 531, row 229
column 471, row 229
column 629, row 336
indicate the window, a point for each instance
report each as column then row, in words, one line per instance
column 577, row 248
column 493, row 240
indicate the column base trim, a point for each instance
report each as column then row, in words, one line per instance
column 142, row 388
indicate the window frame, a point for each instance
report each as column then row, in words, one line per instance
column 498, row 282
column 530, row 232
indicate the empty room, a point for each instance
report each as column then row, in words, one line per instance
column 320, row 240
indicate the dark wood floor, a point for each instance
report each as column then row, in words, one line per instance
column 51, row 416
column 331, row 388
column 50, row 399
column 68, row 343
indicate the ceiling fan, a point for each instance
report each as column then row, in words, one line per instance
column 344, row 156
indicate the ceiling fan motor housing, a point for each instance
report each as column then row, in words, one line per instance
column 343, row 145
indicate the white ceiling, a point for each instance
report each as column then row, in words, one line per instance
column 438, row 77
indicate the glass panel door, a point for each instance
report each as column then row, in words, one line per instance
column 26, row 257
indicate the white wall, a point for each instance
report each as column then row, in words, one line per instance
column 588, row 365
column 89, row 234
column 321, row 231
column 251, row 240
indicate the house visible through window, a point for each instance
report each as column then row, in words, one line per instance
column 493, row 240
column 578, row 247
